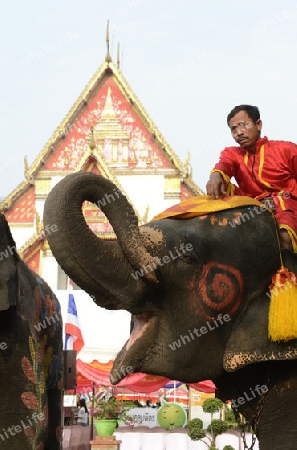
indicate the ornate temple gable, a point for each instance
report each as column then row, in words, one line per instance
column 92, row 166
column 32, row 257
column 31, row 251
column 186, row 192
column 120, row 137
column 92, row 161
column 125, row 135
column 23, row 210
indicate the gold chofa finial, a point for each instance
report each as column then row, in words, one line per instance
column 108, row 57
column 118, row 56
column 185, row 170
column 26, row 167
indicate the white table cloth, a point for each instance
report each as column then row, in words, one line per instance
column 177, row 441
column 155, row 441
column 130, row 441
column 196, row 445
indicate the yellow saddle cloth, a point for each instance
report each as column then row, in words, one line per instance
column 200, row 205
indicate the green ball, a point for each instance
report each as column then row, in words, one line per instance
column 171, row 415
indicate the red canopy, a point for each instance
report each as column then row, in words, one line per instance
column 98, row 373
column 206, row 386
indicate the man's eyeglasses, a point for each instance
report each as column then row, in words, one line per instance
column 242, row 125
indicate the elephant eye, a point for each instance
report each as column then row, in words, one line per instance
column 187, row 258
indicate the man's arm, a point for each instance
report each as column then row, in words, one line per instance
column 216, row 186
column 222, row 172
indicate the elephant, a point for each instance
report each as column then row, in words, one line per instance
column 30, row 354
column 198, row 294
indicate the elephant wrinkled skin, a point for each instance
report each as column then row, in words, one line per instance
column 197, row 291
column 30, row 355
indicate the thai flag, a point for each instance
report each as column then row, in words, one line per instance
column 73, row 335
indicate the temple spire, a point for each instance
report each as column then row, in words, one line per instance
column 107, row 57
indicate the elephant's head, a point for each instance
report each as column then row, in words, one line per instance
column 191, row 285
column 9, row 263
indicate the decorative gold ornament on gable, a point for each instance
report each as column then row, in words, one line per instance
column 109, row 134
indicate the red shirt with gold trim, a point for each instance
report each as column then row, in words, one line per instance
column 271, row 170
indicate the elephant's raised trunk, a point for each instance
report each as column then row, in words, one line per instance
column 104, row 269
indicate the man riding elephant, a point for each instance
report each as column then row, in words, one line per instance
column 263, row 169
column 202, row 315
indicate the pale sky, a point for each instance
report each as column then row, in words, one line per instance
column 188, row 61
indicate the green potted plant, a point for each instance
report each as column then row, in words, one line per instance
column 108, row 413
column 216, row 427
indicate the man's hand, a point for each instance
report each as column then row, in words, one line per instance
column 215, row 186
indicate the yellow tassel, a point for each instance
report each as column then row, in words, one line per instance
column 282, row 322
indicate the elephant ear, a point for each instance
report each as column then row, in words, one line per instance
column 249, row 342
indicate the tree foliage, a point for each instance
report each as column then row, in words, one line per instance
column 212, row 405
column 216, row 427
column 194, row 423
column 196, row 433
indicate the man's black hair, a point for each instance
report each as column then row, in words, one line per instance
column 252, row 111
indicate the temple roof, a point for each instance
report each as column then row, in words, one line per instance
column 118, row 111
column 106, row 131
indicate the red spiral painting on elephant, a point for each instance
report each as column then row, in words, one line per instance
column 220, row 289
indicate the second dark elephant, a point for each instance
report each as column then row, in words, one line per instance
column 30, row 355
column 197, row 290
